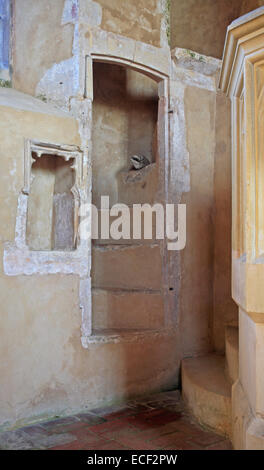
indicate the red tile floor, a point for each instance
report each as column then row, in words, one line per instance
column 156, row 422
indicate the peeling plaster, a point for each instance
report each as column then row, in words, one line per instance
column 161, row 8
column 193, row 78
column 198, row 62
column 192, row 69
column 28, row 103
column 19, row 260
column 21, row 221
column 179, row 158
column 64, row 85
column 62, row 80
column 86, row 308
column 187, row 69
column 91, row 12
column 70, row 12
column 61, row 84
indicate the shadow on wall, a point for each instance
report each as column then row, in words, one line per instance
column 200, row 25
column 125, row 113
column 50, row 218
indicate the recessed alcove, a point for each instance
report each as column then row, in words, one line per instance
column 50, row 215
column 126, row 121
column 125, row 115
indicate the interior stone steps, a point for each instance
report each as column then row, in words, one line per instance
column 207, row 391
column 232, row 352
column 115, row 308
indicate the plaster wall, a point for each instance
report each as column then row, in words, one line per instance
column 40, row 39
column 62, row 375
column 125, row 113
column 46, row 39
column 200, row 25
column 140, row 19
column 197, row 259
column 225, row 310
column 46, row 370
column 200, row 177
column 50, row 217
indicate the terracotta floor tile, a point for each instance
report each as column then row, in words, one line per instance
column 107, row 409
column 90, row 418
column 223, row 445
column 152, row 433
column 185, row 426
column 114, row 425
column 165, row 418
column 72, row 428
column 119, row 414
column 76, row 445
column 135, row 443
column 140, row 408
column 115, row 434
column 183, row 446
column 112, row 445
column 59, row 422
column 85, row 435
column 206, row 439
column 83, row 445
column 159, row 421
column 174, row 441
column 154, row 419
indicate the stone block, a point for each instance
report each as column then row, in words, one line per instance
column 207, row 391
column 127, row 267
column 127, row 309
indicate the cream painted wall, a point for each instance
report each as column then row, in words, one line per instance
column 200, row 25
column 125, row 113
column 124, row 18
column 200, row 177
column 40, row 40
column 44, row 368
column 197, row 259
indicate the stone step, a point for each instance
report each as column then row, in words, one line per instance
column 127, row 309
column 231, row 349
column 130, row 241
column 127, row 267
column 207, row 391
column 139, row 187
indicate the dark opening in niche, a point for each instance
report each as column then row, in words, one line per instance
column 50, row 217
column 125, row 116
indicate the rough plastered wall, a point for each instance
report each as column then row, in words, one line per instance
column 200, row 177
column 225, row 310
column 46, row 39
column 50, row 215
column 206, row 301
column 137, row 19
column 40, row 39
column 125, row 113
column 46, row 370
column 200, row 25
column 197, row 258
